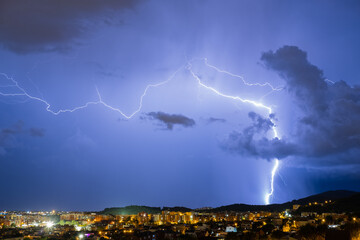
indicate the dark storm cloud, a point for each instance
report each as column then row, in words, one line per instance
column 40, row 25
column 8, row 135
column 169, row 120
column 329, row 114
column 304, row 80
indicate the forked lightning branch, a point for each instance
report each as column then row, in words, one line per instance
column 6, row 90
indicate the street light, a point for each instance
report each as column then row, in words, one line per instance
column 49, row 224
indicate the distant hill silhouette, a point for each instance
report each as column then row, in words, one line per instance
column 341, row 201
column 335, row 196
column 130, row 210
column 177, row 209
column 348, row 204
column 330, row 195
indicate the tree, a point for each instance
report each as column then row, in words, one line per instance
column 353, row 229
column 310, row 232
column 277, row 234
column 249, row 236
column 268, row 228
column 256, row 225
column 329, row 219
column 232, row 236
column 127, row 219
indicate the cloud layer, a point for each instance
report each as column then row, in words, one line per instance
column 330, row 113
column 8, row 135
column 170, row 120
column 253, row 140
column 38, row 26
column 213, row 120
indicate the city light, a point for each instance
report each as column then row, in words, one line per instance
column 78, row 228
column 180, row 221
column 49, row 224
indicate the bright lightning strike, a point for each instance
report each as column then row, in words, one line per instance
column 22, row 92
column 273, row 172
column 255, row 103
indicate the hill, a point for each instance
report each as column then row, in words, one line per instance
column 130, row 210
column 341, row 201
column 322, row 197
column 330, row 195
column 343, row 195
column 349, row 204
column 177, row 209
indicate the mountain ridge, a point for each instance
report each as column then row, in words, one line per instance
column 340, row 200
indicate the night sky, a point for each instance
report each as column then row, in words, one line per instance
column 115, row 103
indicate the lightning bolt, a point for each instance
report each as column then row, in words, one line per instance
column 22, row 92
column 266, row 84
column 273, row 172
column 100, row 101
column 255, row 103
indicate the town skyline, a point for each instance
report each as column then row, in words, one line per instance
column 330, row 215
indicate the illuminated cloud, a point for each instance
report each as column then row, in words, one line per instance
column 253, row 141
column 328, row 123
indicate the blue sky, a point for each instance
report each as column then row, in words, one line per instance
column 186, row 145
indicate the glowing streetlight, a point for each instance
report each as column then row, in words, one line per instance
column 49, row 224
